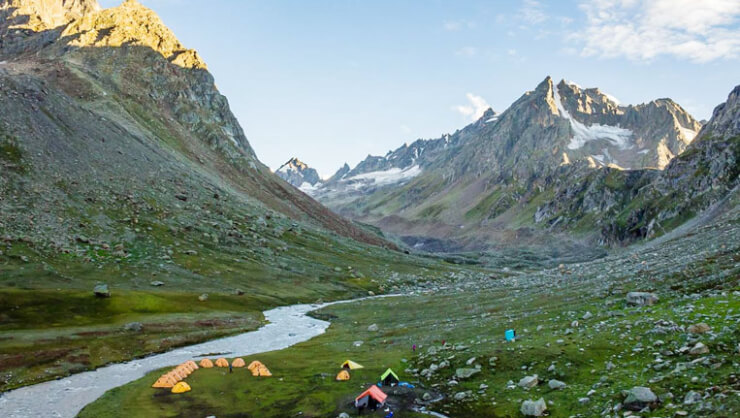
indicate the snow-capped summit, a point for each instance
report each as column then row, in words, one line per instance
column 299, row 174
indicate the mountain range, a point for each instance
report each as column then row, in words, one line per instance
column 562, row 162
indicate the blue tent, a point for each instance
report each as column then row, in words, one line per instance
column 510, row 335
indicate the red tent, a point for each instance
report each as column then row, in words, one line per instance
column 372, row 398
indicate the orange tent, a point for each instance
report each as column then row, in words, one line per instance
column 222, row 362
column 343, row 375
column 174, row 376
column 164, row 382
column 179, row 374
column 261, row 371
column 206, row 363
column 372, row 398
column 254, row 364
column 192, row 364
column 238, row 363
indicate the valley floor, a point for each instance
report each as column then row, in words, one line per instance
column 573, row 325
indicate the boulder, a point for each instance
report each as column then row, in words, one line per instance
column 642, row 298
column 101, row 290
column 529, row 382
column 465, row 373
column 700, row 328
column 638, row 398
column 532, row 408
column 203, row 297
column 157, row 283
column 699, row 349
column 373, row 328
column 556, row 384
column 692, row 397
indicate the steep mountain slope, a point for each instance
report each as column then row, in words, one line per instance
column 498, row 180
column 299, row 174
column 122, row 73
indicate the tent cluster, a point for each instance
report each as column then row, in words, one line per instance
column 346, row 366
column 174, row 378
column 258, row 369
column 372, row 398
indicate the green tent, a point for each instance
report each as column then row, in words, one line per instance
column 389, row 378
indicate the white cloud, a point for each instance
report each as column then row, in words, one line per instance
column 456, row 25
column 699, row 31
column 467, row 51
column 532, row 12
column 475, row 109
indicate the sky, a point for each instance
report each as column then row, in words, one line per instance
column 331, row 81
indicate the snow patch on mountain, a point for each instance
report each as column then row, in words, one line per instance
column 390, row 176
column 582, row 134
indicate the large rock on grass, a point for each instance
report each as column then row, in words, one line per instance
column 642, row 298
column 532, row 408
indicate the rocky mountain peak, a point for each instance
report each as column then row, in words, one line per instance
column 131, row 24
column 299, row 174
column 725, row 122
column 40, row 15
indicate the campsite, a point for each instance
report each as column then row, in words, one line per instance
column 599, row 355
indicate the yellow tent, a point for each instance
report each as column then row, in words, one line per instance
column 238, row 363
column 254, row 364
column 181, row 388
column 206, row 363
column 164, row 382
column 343, row 375
column 349, row 364
column 261, row 371
column 222, row 362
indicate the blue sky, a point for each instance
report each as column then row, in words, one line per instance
column 331, row 81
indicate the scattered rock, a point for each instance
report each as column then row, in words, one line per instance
column 373, row 328
column 556, row 384
column 101, row 290
column 157, row 283
column 465, row 373
column 587, row 315
column 133, row 327
column 700, row 328
column 239, row 292
column 692, row 397
column 357, row 343
column 461, row 395
column 699, row 349
column 529, row 382
column 426, row 397
column 203, row 297
column 532, row 408
column 343, row 415
column 638, row 398
column 642, row 298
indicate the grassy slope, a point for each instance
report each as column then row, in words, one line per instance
column 696, row 279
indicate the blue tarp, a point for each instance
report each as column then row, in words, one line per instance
column 510, row 335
